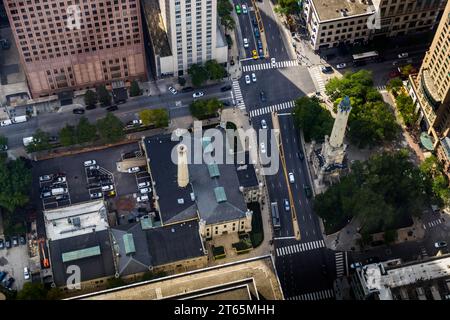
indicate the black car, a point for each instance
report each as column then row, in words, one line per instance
column 301, row 156
column 78, row 111
column 2, row 244
column 232, row 62
column 187, row 89
column 112, row 108
column 307, row 191
column 255, row 24
column 225, row 88
column 91, row 107
column 7, row 243
column 9, row 283
column 262, row 95
column 327, row 69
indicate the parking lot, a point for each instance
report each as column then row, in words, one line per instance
column 12, row 261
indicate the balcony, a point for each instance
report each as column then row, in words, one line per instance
column 429, row 89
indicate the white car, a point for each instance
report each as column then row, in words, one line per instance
column 108, row 187
column 143, row 184
column 273, row 62
column 253, row 77
column 134, row 170
column 198, row 94
column 247, row 79
column 145, row 190
column 5, row 123
column 403, row 55
column 440, row 244
column 89, row 163
column 142, row 198
column 244, row 9
column 26, row 273
column 341, row 66
column 263, row 124
column 94, row 167
column 61, row 179
column 245, row 43
column 356, row 265
column 46, row 177
column 96, row 195
column 137, row 121
column 291, row 177
column 173, row 90
column 262, row 147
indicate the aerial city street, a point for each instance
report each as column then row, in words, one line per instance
column 302, row 144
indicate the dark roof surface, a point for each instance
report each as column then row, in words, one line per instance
column 246, row 173
column 92, row 267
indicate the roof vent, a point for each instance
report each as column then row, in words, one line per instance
column 180, row 201
column 173, row 230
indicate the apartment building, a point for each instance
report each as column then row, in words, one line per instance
column 402, row 17
column 332, row 22
column 67, row 44
column 430, row 90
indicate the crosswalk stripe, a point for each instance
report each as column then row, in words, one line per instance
column 268, row 65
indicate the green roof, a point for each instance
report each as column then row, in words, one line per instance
column 129, row 243
column 213, row 170
column 146, row 223
column 220, row 194
column 80, row 254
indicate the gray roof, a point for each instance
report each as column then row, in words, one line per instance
column 92, row 267
column 246, row 173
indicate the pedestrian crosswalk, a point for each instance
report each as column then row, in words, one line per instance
column 238, row 99
column 269, row 109
column 316, row 74
column 339, row 257
column 300, row 247
column 433, row 223
column 268, row 65
column 318, row 295
column 381, row 87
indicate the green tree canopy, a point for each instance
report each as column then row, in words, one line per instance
column 40, row 142
column 103, row 95
column 15, row 184
column 134, row 89
column 315, row 121
column 224, row 7
column 3, row 141
column 85, row 131
column 110, row 128
column 215, row 70
column 406, row 107
column 32, row 291
column 198, row 74
column 435, row 180
column 287, row 7
column 157, row 117
column 90, row 98
column 228, row 22
column 67, row 136
column 394, row 85
column 203, row 109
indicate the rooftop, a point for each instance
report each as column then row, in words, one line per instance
column 246, row 173
column 336, row 9
column 75, row 220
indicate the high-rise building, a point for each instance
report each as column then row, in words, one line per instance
column 77, row 44
column 187, row 33
column 430, row 89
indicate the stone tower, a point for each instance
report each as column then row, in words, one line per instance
column 183, row 172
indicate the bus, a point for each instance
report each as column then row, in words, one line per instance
column 275, row 215
column 365, row 56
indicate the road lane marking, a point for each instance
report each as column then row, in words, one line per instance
column 299, row 247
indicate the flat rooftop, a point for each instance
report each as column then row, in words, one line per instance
column 334, row 9
column 75, row 220
column 260, row 269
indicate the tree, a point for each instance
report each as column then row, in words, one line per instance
column 85, row 131
column 103, row 95
column 198, row 74
column 158, row 117
column 110, row 128
column 203, row 109
column 134, row 89
column 228, row 22
column 224, row 8
column 32, row 291
column 436, row 183
column 90, row 98
column 67, row 136
column 15, row 184
column 40, row 142
column 394, row 85
column 287, row 7
column 215, row 70
column 315, row 121
column 3, row 141
column 407, row 70
column 406, row 107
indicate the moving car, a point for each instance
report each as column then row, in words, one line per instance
column 245, row 43
column 107, row 187
column 287, row 206
column 255, row 54
column 244, row 9
column 89, row 163
column 273, row 62
column 96, row 195
column 253, row 77
column 238, row 9
column 112, row 108
column 341, row 66
column 46, row 177
column 291, row 177
column 403, row 55
column 26, row 273
column 198, row 94
column 263, row 124
column 78, row 111
column 256, row 30
column 262, row 95
column 440, row 244
column 142, row 198
column 301, row 156
column 134, row 169
column 173, row 90
column 145, row 190
column 225, row 88
column 262, row 147
column 247, row 79
column 143, row 184
column 307, row 191
column 255, row 24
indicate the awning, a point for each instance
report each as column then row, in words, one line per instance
column 426, row 141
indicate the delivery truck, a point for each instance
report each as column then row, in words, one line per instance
column 20, row 119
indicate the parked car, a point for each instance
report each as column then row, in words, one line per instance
column 61, row 179
column 327, row 69
column 255, row 24
column 78, row 111
column 263, row 124
column 3, row 147
column 403, row 55
column 46, row 177
column 273, row 62
column 22, row 239
column 440, row 244
column 145, row 190
column 262, row 95
column 15, row 241
column 198, row 94
column 187, row 89
column 2, row 275
column 247, row 79
column 94, row 167
column 7, row 243
column 46, row 194
column 2, row 244
column 253, row 77
column 90, row 107
column 89, row 163
column 107, row 187
column 260, row 46
column 246, row 43
column 26, row 273
column 256, row 30
column 373, row 260
column 5, row 123
column 96, row 195
column 61, row 197
column 291, row 177
column 262, row 147
column 341, row 66
column 173, row 90
column 110, row 194
column 225, row 88
column 356, row 265
column 112, row 108
column 143, row 184
column 287, row 206
column 142, row 198
column 244, row 9
column 136, row 122
column 238, row 9
column 255, row 54
column 9, row 283
column 134, row 169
